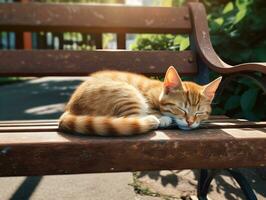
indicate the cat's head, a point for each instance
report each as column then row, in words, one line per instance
column 186, row 102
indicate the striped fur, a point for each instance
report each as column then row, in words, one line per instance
column 108, row 126
column 122, row 103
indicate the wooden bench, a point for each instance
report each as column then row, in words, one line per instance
column 36, row 147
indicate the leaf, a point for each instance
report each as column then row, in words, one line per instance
column 259, row 54
column 219, row 21
column 245, row 54
column 177, row 40
column 232, row 103
column 218, row 111
column 229, row 7
column 216, row 39
column 251, row 116
column 245, row 81
column 240, row 15
column 248, row 99
column 184, row 44
column 242, row 4
column 214, row 26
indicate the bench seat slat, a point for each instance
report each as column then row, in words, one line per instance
column 30, row 121
column 93, row 18
column 16, row 122
column 29, row 128
column 28, row 124
column 53, row 126
column 44, row 153
column 41, row 125
column 54, row 122
column 76, row 63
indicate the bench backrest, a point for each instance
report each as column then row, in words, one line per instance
column 21, row 17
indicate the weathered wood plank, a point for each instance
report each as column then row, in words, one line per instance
column 29, row 128
column 25, row 153
column 80, row 63
column 232, row 124
column 28, row 121
column 121, row 41
column 54, row 126
column 93, row 18
column 43, row 125
column 28, row 124
column 213, row 117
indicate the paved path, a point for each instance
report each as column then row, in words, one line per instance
column 68, row 187
column 36, row 99
column 180, row 183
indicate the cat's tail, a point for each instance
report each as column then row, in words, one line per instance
column 107, row 126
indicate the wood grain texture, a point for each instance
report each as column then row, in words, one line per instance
column 93, row 18
column 214, row 119
column 205, row 49
column 28, row 121
column 26, row 124
column 52, row 126
column 36, row 147
column 81, row 63
column 44, row 153
column 121, row 41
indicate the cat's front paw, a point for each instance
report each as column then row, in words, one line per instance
column 165, row 121
column 152, row 121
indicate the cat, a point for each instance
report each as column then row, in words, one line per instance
column 121, row 103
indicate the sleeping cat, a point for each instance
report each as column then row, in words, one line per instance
column 122, row 103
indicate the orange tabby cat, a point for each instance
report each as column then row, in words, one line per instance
column 122, row 103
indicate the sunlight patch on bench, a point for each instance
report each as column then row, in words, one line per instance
column 246, row 133
column 29, row 138
column 159, row 135
column 46, row 109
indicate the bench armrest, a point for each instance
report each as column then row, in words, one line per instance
column 205, row 49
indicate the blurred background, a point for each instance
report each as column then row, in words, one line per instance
column 238, row 34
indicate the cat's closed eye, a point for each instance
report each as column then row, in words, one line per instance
column 200, row 113
column 178, row 110
column 182, row 110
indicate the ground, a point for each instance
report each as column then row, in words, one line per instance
column 44, row 99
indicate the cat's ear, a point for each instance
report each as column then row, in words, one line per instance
column 210, row 89
column 172, row 80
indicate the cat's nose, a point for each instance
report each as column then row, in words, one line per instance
column 190, row 121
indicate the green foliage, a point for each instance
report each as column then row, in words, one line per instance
column 248, row 99
column 240, row 38
column 237, row 30
column 160, row 42
column 241, row 35
column 242, row 98
column 80, row 1
column 232, row 102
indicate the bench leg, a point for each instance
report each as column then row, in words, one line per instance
column 243, row 183
column 206, row 176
